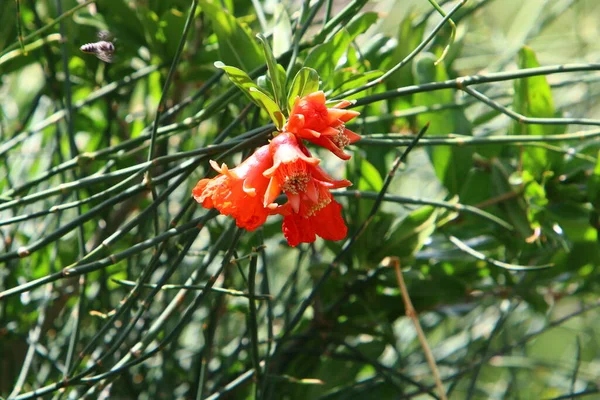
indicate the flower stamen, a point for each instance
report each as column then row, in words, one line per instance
column 341, row 140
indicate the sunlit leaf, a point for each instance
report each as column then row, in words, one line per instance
column 514, row 206
column 305, row 82
column 533, row 98
column 408, row 236
column 267, row 104
column 324, row 57
column 594, row 186
column 274, row 70
column 236, row 46
column 451, row 163
column 282, row 32
column 254, row 93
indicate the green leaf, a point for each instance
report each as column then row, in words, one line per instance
column 154, row 36
column 171, row 27
column 325, row 57
column 515, row 207
column 594, row 186
column 7, row 21
column 236, row 45
column 361, row 23
column 408, row 237
column 277, row 80
column 533, row 98
column 126, row 23
column 254, row 93
column 351, row 80
column 17, row 59
column 451, row 164
column 282, row 76
column 534, row 194
column 239, row 78
column 370, row 179
column 408, row 37
column 267, row 104
column 282, row 32
column 306, row 81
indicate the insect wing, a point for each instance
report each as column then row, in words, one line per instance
column 106, row 36
column 105, row 56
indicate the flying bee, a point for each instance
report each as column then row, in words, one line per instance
column 104, row 48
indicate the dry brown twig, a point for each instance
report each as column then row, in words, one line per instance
column 412, row 314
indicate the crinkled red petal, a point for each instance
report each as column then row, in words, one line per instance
column 298, row 229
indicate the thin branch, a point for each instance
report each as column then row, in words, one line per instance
column 412, row 314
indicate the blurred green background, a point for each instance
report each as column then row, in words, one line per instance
column 495, row 221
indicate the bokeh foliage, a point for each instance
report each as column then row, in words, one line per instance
column 114, row 282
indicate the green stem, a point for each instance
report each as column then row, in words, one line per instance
column 47, row 27
column 452, row 32
column 406, row 59
column 230, row 292
column 171, row 73
column 426, row 202
column 465, row 81
column 253, row 326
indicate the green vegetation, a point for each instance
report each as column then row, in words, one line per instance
column 478, row 170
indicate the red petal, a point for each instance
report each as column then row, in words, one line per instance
column 199, row 188
column 328, row 222
column 238, row 192
column 319, row 174
column 325, row 142
column 295, row 123
column 353, row 137
column 297, row 229
column 272, row 191
column 316, row 97
column 337, row 115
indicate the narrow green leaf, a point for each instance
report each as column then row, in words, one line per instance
column 277, row 80
column 409, row 236
column 124, row 22
column 267, row 104
column 408, row 38
column 370, row 179
column 515, row 208
column 533, row 98
column 150, row 23
column 366, row 178
column 282, row 32
column 594, row 186
column 280, row 71
column 451, row 164
column 17, row 59
column 361, row 23
column 350, row 80
column 171, row 25
column 306, row 81
column 325, row 57
column 534, row 194
column 236, row 45
column 254, row 93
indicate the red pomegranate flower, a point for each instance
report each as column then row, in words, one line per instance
column 248, row 192
column 310, row 119
column 238, row 192
column 314, row 218
column 310, row 209
column 295, row 173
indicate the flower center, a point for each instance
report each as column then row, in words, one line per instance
column 341, row 140
column 294, row 177
column 315, row 207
